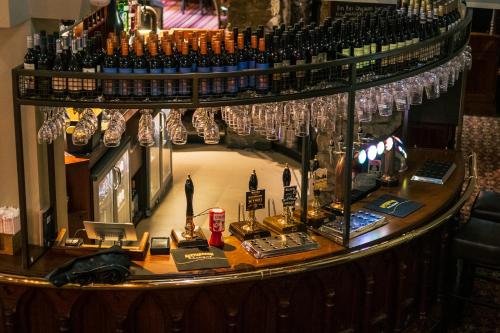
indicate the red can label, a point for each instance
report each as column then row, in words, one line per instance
column 217, row 219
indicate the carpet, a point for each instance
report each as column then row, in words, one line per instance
column 482, row 135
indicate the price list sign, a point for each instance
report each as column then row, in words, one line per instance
column 355, row 8
column 255, row 200
column 289, row 196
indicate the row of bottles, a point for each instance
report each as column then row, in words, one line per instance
column 235, row 52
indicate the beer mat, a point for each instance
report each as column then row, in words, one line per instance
column 392, row 205
column 197, row 258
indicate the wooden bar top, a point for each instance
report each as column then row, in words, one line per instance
column 436, row 200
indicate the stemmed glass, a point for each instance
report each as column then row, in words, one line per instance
column 146, row 132
column 177, row 130
column 211, row 132
column 85, row 128
column 116, row 128
column 53, row 126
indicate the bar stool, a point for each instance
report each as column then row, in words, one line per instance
column 477, row 244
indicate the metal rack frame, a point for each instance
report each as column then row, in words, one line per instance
column 454, row 40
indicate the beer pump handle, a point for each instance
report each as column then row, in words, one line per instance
column 287, row 176
column 253, row 182
column 189, row 189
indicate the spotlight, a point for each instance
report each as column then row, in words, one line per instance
column 389, row 143
column 372, row 152
column 380, row 148
column 362, row 156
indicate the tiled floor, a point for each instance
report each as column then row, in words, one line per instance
column 192, row 17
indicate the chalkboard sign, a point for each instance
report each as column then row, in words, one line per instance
column 354, row 8
column 289, row 196
column 256, row 200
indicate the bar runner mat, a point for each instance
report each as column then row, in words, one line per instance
column 197, row 258
column 392, row 205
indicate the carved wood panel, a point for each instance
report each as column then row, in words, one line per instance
column 385, row 292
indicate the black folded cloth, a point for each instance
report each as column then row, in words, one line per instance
column 109, row 266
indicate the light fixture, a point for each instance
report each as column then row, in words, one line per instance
column 372, row 152
column 362, row 156
column 380, row 148
column 403, row 152
column 389, row 143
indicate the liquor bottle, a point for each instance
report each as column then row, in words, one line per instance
column 99, row 52
column 140, row 67
column 43, row 63
column 262, row 62
column 66, row 52
column 298, row 58
column 59, row 84
column 36, row 43
column 314, row 76
column 384, row 47
column 169, row 67
column 114, row 21
column 358, row 48
column 204, row 66
column 75, row 85
column 109, row 65
column 231, row 65
column 286, row 50
column 30, row 59
column 51, row 50
column 242, row 62
column 155, row 67
column 193, row 54
column 252, row 57
column 366, row 38
column 344, row 47
column 442, row 21
column 277, row 61
column 218, row 84
column 124, row 67
column 185, row 68
column 89, row 66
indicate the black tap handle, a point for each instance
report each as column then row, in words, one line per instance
column 189, row 189
column 287, row 176
column 253, row 182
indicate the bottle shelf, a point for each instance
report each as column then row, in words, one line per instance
column 194, row 90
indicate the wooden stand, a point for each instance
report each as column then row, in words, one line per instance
column 277, row 224
column 243, row 233
column 137, row 251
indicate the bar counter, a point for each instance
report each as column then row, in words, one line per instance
column 389, row 279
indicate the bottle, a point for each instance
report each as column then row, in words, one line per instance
column 36, row 43
column 114, row 21
column 140, row 67
column 43, row 63
column 124, row 67
column 313, row 48
column 169, row 67
column 155, row 67
column 262, row 62
column 185, row 68
column 242, row 62
column 109, row 66
column 205, row 88
column 384, row 47
column 358, row 48
column 75, row 85
column 345, row 47
column 89, row 66
column 286, row 60
column 277, row 61
column 299, row 58
column 28, row 87
column 59, row 84
column 218, row 84
column 193, row 54
column 66, row 51
column 231, row 65
column 252, row 57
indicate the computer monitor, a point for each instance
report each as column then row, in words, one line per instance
column 104, row 231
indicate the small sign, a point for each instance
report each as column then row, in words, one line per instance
column 256, row 200
column 289, row 196
column 348, row 8
column 375, row 167
column 320, row 179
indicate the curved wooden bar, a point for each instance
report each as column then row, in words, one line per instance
column 389, row 279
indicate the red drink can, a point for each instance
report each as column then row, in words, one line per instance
column 217, row 226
